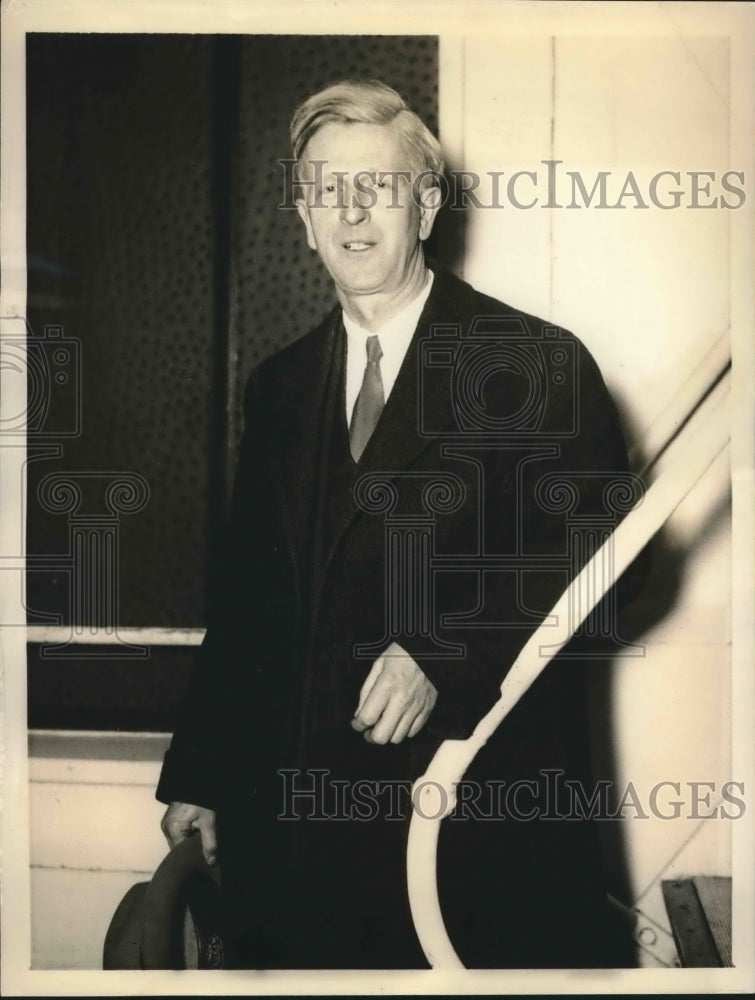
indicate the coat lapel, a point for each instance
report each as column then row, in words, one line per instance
column 301, row 445
column 416, row 404
column 401, row 437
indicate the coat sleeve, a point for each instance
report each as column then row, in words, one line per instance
column 195, row 765
column 592, row 459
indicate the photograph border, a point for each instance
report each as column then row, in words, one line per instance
column 735, row 21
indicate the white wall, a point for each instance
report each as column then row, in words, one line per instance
column 648, row 291
column 95, row 831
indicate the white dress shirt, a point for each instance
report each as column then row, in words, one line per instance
column 395, row 337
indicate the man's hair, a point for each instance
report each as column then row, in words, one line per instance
column 368, row 102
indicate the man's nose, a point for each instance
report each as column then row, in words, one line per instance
column 356, row 206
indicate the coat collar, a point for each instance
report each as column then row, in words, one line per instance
column 400, row 436
column 416, row 404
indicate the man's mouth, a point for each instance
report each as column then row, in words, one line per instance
column 357, row 246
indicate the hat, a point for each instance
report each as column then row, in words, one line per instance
column 173, row 921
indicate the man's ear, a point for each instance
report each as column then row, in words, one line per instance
column 429, row 205
column 303, row 209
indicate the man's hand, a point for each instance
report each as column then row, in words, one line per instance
column 181, row 820
column 396, row 698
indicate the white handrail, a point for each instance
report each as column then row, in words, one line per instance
column 453, row 757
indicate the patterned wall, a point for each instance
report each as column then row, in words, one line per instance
column 121, row 240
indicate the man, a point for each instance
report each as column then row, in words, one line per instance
column 397, row 532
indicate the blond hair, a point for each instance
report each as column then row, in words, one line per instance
column 369, row 102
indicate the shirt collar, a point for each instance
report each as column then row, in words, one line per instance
column 397, row 327
column 395, row 337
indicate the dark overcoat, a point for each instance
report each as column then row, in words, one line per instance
column 488, row 479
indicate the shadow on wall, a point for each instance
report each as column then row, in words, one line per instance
column 448, row 240
column 657, row 598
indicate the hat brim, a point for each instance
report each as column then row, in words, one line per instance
column 123, row 940
column 172, row 922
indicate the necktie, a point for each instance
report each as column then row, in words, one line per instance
column 370, row 401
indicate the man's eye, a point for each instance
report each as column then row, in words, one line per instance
column 382, row 184
column 330, row 188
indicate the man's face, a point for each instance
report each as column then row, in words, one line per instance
column 361, row 216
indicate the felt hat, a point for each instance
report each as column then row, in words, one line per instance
column 171, row 922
